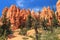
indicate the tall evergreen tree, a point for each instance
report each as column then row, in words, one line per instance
column 29, row 21
column 35, row 27
column 5, row 26
column 55, row 21
column 44, row 24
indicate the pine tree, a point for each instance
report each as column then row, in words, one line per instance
column 55, row 21
column 29, row 21
column 36, row 26
column 44, row 22
column 5, row 27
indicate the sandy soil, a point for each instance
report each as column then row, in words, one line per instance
column 16, row 36
column 21, row 37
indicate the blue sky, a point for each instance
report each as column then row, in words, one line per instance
column 26, row 4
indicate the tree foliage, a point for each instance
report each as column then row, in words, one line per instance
column 29, row 21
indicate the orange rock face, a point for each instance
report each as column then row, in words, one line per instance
column 58, row 11
column 50, row 15
column 44, row 13
column 18, row 16
column 4, row 11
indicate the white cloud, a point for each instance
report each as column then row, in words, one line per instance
column 36, row 9
column 23, row 3
column 20, row 3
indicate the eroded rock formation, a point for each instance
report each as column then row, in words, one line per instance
column 18, row 16
column 58, row 11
